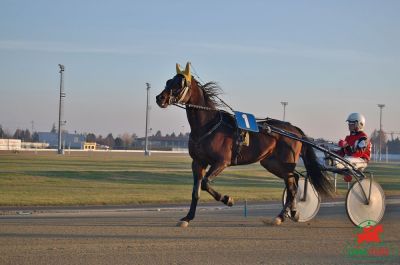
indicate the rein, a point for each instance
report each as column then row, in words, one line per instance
column 185, row 105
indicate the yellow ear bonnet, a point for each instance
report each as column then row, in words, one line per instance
column 185, row 73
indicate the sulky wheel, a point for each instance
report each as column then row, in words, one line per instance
column 356, row 207
column 307, row 207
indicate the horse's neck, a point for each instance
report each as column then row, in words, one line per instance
column 198, row 118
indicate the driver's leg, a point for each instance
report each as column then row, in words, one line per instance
column 357, row 162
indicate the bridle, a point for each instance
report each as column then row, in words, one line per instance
column 178, row 100
column 172, row 100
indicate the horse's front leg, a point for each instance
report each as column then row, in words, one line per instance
column 198, row 170
column 211, row 174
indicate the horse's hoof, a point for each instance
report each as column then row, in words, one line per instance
column 277, row 221
column 182, row 224
column 231, row 202
column 228, row 201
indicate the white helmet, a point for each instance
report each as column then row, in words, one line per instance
column 358, row 119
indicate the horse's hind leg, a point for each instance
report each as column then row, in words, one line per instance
column 291, row 182
column 211, row 174
column 285, row 171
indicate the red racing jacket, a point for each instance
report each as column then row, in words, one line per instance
column 357, row 145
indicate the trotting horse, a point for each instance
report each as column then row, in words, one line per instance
column 213, row 143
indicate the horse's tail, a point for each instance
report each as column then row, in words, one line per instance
column 319, row 178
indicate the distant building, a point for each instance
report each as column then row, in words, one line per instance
column 10, row 144
column 17, row 144
column 32, row 145
column 73, row 141
column 164, row 142
column 89, row 146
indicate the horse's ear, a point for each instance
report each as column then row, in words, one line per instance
column 186, row 73
column 178, row 69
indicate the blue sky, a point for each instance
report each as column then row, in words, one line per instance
column 326, row 58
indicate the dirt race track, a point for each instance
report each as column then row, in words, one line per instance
column 124, row 235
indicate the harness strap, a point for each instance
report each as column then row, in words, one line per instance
column 208, row 133
column 179, row 99
column 183, row 94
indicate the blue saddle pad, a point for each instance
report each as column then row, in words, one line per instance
column 246, row 121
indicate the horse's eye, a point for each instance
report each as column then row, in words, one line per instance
column 176, row 91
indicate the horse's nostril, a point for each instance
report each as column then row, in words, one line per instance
column 160, row 99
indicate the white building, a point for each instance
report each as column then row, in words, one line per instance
column 10, row 144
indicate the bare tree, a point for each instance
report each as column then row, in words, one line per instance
column 126, row 139
column 378, row 136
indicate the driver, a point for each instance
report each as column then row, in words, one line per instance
column 355, row 148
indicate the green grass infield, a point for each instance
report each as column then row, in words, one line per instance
column 110, row 178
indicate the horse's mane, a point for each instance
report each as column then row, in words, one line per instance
column 211, row 91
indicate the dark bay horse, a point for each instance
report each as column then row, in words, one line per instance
column 213, row 145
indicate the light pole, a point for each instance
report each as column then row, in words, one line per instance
column 61, row 109
column 381, row 106
column 284, row 104
column 146, row 143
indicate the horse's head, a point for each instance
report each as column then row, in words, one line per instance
column 177, row 89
